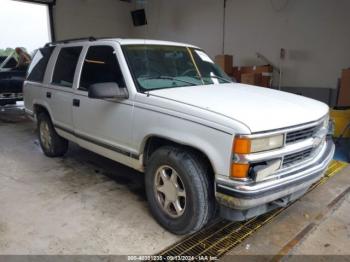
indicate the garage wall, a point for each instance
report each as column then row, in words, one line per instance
column 315, row 33
column 99, row 18
column 197, row 22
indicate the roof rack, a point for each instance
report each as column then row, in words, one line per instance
column 90, row 38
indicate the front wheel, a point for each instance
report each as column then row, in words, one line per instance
column 51, row 143
column 179, row 190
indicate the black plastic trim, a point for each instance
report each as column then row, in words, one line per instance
column 99, row 143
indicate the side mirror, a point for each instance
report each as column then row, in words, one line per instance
column 108, row 90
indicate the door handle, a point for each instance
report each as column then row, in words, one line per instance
column 48, row 94
column 76, row 102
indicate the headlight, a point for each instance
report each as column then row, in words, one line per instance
column 266, row 143
column 243, row 145
column 247, row 146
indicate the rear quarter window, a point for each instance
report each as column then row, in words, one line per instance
column 37, row 68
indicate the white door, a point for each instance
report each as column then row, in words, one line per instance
column 102, row 124
column 61, row 92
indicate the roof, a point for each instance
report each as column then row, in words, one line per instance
column 123, row 41
column 131, row 41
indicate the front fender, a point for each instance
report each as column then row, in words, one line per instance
column 215, row 144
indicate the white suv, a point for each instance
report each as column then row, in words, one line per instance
column 204, row 142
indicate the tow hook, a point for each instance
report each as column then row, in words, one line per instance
column 282, row 202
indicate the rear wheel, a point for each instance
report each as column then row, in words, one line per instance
column 179, row 190
column 51, row 143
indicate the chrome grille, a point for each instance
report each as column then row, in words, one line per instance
column 295, row 158
column 299, row 135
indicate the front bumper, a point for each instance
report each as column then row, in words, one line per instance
column 291, row 184
column 10, row 99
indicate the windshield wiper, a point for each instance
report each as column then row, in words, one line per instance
column 221, row 78
column 168, row 78
column 218, row 77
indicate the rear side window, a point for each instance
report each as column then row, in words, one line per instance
column 100, row 66
column 66, row 64
column 38, row 65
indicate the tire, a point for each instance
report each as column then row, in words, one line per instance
column 193, row 180
column 51, row 143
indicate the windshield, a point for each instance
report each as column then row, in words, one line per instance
column 158, row 67
column 8, row 61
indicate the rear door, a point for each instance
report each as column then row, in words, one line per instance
column 60, row 93
column 103, row 124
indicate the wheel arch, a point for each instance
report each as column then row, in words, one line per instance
column 40, row 108
column 154, row 142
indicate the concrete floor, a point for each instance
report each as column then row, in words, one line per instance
column 79, row 204
column 86, row 204
column 317, row 224
column 331, row 237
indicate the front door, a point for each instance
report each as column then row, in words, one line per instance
column 102, row 124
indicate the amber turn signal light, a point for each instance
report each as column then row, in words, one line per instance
column 239, row 171
column 241, row 146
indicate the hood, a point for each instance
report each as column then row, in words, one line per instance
column 261, row 109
